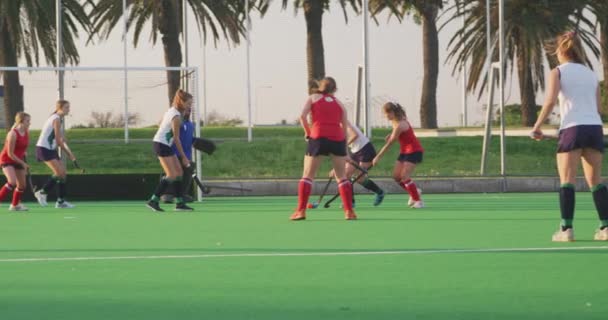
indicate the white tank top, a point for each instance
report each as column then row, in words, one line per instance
column 47, row 137
column 578, row 96
column 360, row 142
column 164, row 134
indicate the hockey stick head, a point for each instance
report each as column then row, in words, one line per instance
column 205, row 145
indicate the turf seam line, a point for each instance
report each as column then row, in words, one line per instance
column 302, row 254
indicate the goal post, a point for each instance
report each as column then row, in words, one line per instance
column 105, row 97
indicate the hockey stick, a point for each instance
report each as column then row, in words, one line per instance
column 74, row 162
column 206, row 188
column 314, row 205
column 358, row 167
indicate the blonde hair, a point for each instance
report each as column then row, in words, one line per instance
column 180, row 98
column 569, row 45
column 396, row 109
column 20, row 118
column 326, row 85
column 60, row 104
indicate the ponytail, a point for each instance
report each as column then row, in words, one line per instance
column 180, row 98
column 396, row 109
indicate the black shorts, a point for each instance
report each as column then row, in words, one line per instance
column 579, row 137
column 366, row 154
column 44, row 154
column 162, row 150
column 415, row 157
column 17, row 166
column 325, row 147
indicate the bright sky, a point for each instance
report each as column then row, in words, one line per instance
column 278, row 66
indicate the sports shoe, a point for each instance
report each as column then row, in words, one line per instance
column 411, row 201
column 64, row 205
column 350, row 215
column 154, row 206
column 601, row 235
column 417, row 205
column 298, row 215
column 18, row 207
column 379, row 198
column 563, row 236
column 41, row 197
column 182, row 207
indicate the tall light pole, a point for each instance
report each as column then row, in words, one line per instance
column 248, row 72
column 59, row 49
column 125, row 72
column 366, row 83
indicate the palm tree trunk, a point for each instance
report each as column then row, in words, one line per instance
column 13, row 91
column 430, row 45
column 315, row 54
column 526, row 88
column 604, row 44
column 169, row 28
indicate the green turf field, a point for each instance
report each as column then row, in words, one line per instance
column 473, row 256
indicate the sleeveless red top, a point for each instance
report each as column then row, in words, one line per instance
column 20, row 147
column 408, row 142
column 327, row 119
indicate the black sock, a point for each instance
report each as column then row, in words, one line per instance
column 61, row 190
column 178, row 188
column 160, row 188
column 566, row 204
column 371, row 186
column 50, row 184
column 600, row 198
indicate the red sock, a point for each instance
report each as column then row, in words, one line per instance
column 17, row 196
column 6, row 189
column 346, row 193
column 304, row 189
column 411, row 188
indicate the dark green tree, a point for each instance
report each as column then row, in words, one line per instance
column 27, row 31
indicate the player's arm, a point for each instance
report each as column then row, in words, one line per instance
column 304, row 117
column 397, row 129
column 11, row 140
column 176, row 124
column 353, row 134
column 550, row 100
column 61, row 141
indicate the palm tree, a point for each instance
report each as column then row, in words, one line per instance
column 529, row 25
column 27, row 30
column 426, row 12
column 313, row 13
column 215, row 18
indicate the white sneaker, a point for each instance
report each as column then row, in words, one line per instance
column 417, row 205
column 563, row 236
column 64, row 205
column 411, row 201
column 41, row 197
column 601, row 235
column 18, row 207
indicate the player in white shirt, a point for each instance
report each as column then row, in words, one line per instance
column 51, row 138
column 576, row 87
column 167, row 134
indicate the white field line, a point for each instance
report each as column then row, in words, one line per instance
column 302, row 254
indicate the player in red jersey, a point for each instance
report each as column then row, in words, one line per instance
column 410, row 152
column 12, row 160
column 326, row 136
